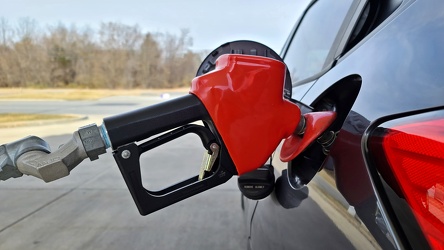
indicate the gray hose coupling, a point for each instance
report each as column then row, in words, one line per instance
column 87, row 142
column 93, row 141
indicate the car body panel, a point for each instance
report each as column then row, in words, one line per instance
column 398, row 69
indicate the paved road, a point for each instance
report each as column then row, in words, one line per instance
column 105, row 106
column 92, row 208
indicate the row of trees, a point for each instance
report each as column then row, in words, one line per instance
column 115, row 55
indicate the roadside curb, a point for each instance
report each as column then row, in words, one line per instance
column 75, row 118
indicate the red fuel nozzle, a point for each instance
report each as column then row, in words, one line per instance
column 245, row 115
column 244, row 97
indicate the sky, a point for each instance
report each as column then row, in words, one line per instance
column 210, row 23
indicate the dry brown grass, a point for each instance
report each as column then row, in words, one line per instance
column 11, row 120
column 17, row 117
column 76, row 94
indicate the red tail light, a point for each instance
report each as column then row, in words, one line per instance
column 415, row 154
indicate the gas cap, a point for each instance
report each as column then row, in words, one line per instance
column 257, row 184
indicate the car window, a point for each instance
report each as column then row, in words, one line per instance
column 308, row 52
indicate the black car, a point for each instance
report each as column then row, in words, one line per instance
column 373, row 180
column 379, row 65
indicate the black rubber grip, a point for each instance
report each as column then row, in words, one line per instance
column 140, row 124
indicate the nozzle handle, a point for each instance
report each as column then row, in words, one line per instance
column 146, row 122
column 148, row 201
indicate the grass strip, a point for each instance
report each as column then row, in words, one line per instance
column 77, row 94
column 19, row 117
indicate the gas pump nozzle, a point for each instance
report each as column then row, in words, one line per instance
column 245, row 117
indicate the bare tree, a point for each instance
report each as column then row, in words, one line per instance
column 6, row 32
column 114, row 56
column 29, row 54
column 6, row 36
column 26, row 29
column 62, row 45
column 175, row 50
column 119, row 42
column 150, row 71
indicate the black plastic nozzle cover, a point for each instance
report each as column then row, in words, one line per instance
column 140, row 124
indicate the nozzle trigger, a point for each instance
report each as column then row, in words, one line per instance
column 209, row 160
column 148, row 201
